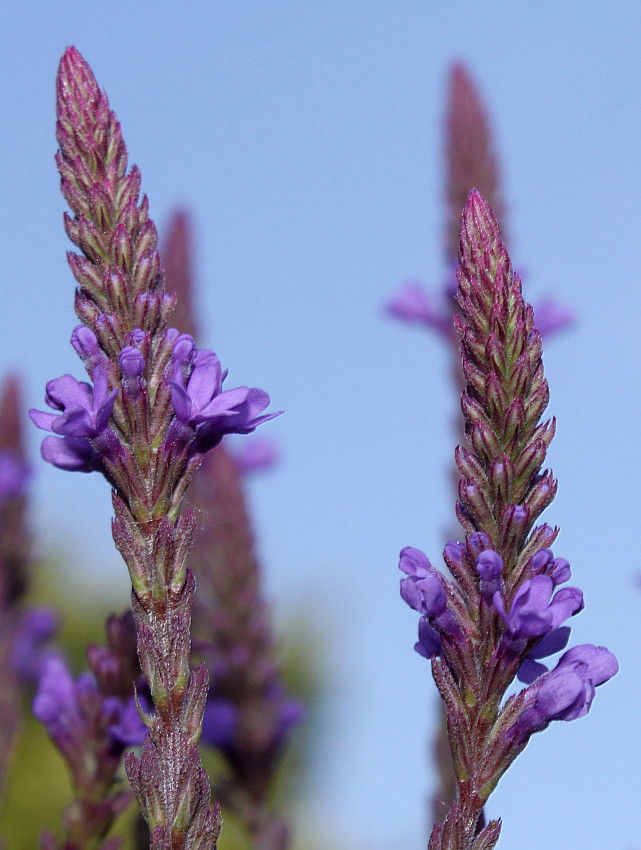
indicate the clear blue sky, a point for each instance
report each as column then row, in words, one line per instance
column 306, row 140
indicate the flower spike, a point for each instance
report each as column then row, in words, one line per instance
column 154, row 407
column 502, row 612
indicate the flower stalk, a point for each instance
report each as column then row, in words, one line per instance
column 154, row 407
column 503, row 611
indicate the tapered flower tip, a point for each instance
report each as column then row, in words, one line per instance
column 75, row 81
column 479, row 228
column 77, row 90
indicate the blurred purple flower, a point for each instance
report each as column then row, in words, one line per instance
column 219, row 723
column 56, row 703
column 255, row 455
column 30, row 652
column 14, row 475
column 127, row 730
column 551, row 316
column 413, row 304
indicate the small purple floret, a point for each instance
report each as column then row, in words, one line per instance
column 489, row 565
column 131, row 362
column 534, row 612
column 84, row 416
column 204, row 406
column 422, row 589
column 567, row 692
column 85, row 344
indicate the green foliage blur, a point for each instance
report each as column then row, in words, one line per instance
column 38, row 788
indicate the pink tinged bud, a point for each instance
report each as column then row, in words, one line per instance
column 501, row 478
column 86, row 274
column 121, row 248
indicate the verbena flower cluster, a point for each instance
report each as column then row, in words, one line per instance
column 191, row 668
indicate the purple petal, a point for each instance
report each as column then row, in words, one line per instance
column 42, row 419
column 489, row 565
column 553, row 642
column 74, row 455
column 181, row 401
column 429, row 641
column 414, row 562
column 530, row 670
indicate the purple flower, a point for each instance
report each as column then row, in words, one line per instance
column 184, row 349
column 544, row 563
column 489, row 566
column 211, row 411
column 85, row 413
column 567, row 692
column 422, row 589
column 534, row 612
column 131, row 362
column 78, row 718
